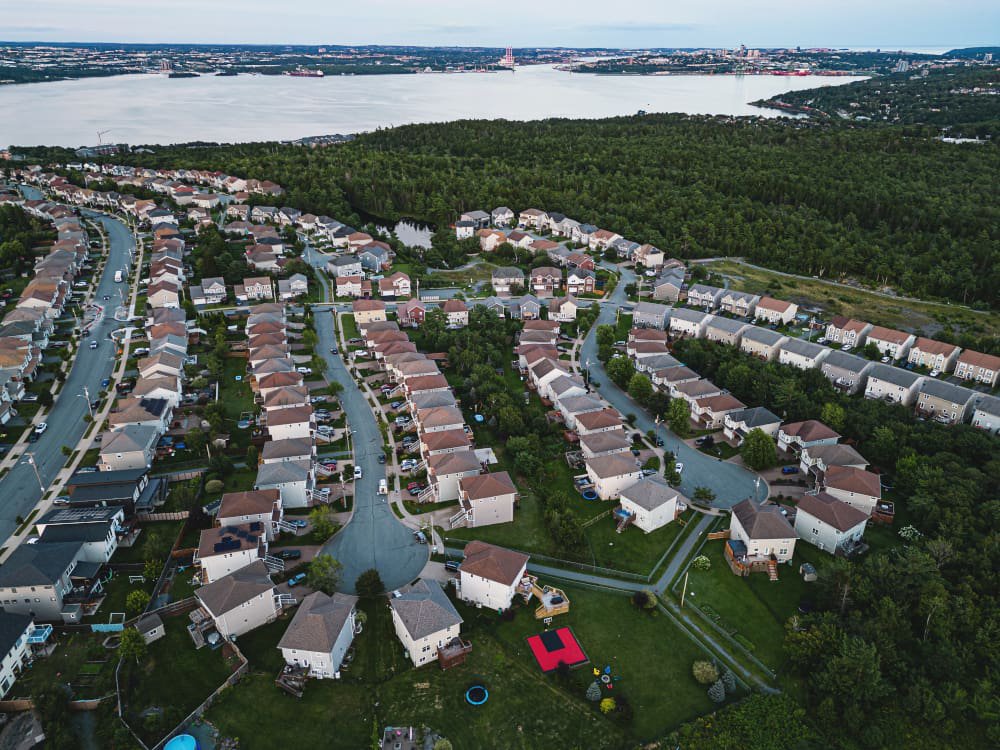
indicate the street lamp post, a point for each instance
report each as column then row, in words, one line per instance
column 30, row 458
column 86, row 395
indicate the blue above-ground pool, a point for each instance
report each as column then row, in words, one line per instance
column 477, row 695
column 589, row 495
column 182, row 742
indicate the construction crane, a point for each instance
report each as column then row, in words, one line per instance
column 100, row 134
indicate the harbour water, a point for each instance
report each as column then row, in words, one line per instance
column 155, row 109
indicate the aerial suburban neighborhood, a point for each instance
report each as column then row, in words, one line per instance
column 268, row 447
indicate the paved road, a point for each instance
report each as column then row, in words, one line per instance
column 729, row 482
column 19, row 490
column 374, row 537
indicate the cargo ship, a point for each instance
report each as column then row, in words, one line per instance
column 303, row 73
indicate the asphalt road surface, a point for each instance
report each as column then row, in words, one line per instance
column 19, row 488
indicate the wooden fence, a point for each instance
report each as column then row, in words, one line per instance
column 724, row 534
column 177, row 515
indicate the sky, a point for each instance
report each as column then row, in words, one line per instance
column 889, row 24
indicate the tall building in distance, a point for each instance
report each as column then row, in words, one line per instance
column 507, row 61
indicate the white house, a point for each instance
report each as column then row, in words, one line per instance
column 986, row 415
column 651, row 503
column 893, row 384
column 490, row 576
column 225, row 549
column 131, row 447
column 14, row 632
column 979, row 367
column 96, row 530
column 891, row 343
column 775, row 311
column 447, row 469
column 294, row 479
column 858, row 488
column 687, row 322
column 796, row 436
column 737, row 424
column 240, row 601
column 425, row 620
column 320, row 634
column 294, row 422
column 828, row 523
column 253, row 506
column 804, row 355
column 487, row 498
column 934, row 355
column 763, row 530
column 612, row 473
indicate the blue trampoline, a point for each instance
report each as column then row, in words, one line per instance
column 477, row 695
column 589, row 495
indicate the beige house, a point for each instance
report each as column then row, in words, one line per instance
column 796, row 436
column 978, row 367
column 775, row 311
column 368, row 311
column 710, row 412
column 764, row 532
column 944, row 402
column 890, row 342
column 934, row 355
column 491, row 576
column 131, row 447
column 613, row 473
column 741, row 304
column 425, row 620
column 604, row 443
column 446, row 470
column 848, row 332
column 319, row 635
column 858, row 488
column 487, row 499
column 651, row 503
column 893, row 384
column 253, row 506
column 241, row 601
column 829, row 524
column 762, row 343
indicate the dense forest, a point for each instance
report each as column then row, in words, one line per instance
column 963, row 100
column 902, row 648
column 19, row 233
column 890, row 206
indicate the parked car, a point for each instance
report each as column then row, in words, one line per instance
column 106, row 382
column 333, row 350
column 381, row 458
column 886, row 360
column 296, row 580
column 789, row 469
column 299, row 523
column 304, row 370
column 408, row 464
column 61, row 500
column 358, row 473
column 93, row 344
column 678, row 467
column 30, row 397
column 324, row 430
column 41, row 427
column 648, row 472
column 402, row 421
column 452, row 565
column 659, row 442
column 289, row 554
column 420, row 537
column 396, row 404
column 331, row 465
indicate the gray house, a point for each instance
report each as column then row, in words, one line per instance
column 344, row 265
column 847, row 372
column 944, row 402
column 37, row 578
column 725, row 330
column 320, row 634
column 650, row 315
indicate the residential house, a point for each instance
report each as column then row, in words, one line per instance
column 375, row 256
column 344, row 265
column 411, row 313
column 368, row 311
column 573, row 406
column 439, row 419
column 934, row 355
column 352, row 286
column 669, row 286
column 978, row 367
column 688, row 323
column 563, row 309
column 603, row 239
column 855, row 486
column 487, row 499
column 293, row 422
column 648, row 256
column 490, row 239
column 532, row 217
column 724, row 330
column 741, row 304
column 816, row 460
column 36, row 578
column 425, row 620
column 491, row 576
column 96, row 530
column 805, row 355
column 944, row 402
column 890, row 343
column 241, row 601
column 545, row 281
column 667, row 378
column 527, row 307
column 612, row 474
column 520, row 239
column 692, row 390
column 445, row 471
column 829, row 524
column 15, row 630
column 847, row 372
column 650, row 315
column 131, row 447
column 605, row 443
column 262, row 507
column 152, row 412
column 456, row 312
column 465, row 229
column 710, row 412
column 213, row 291
column 444, row 441
column 296, row 285
column 986, row 415
column 605, row 420
column 319, row 635
column 225, row 549
column 581, row 281
column 164, row 293
column 893, row 384
column 762, row 530
column 848, row 332
column 797, row 436
column 651, row 503
column 288, row 449
column 254, row 288
column 762, row 343
column 737, row 424
column 294, row 479
column 704, row 296
column 397, row 286
column 502, row 216
column 507, row 280
column 775, row 311
column 495, row 305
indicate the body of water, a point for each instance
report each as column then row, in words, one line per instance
column 153, row 109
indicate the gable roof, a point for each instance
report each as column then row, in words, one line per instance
column 650, row 493
column 831, row 511
column 249, row 503
column 38, row 564
column 852, row 479
column 837, row 454
column 809, row 430
column 615, row 465
column 424, row 609
column 493, row 563
column 318, row 622
column 762, row 522
column 235, row 589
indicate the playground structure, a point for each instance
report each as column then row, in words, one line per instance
column 555, row 647
column 552, row 601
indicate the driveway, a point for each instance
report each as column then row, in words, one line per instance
column 374, row 537
column 729, row 482
column 19, row 489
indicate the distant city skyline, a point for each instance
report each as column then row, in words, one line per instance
column 888, row 24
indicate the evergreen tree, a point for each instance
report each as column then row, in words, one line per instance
column 594, row 692
column 717, row 693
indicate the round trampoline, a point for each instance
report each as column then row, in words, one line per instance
column 182, row 742
column 589, row 495
column 477, row 695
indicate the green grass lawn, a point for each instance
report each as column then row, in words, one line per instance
column 162, row 533
column 235, row 396
column 74, row 662
column 350, row 328
column 526, row 708
column 755, row 608
column 174, row 676
column 116, row 591
column 632, row 550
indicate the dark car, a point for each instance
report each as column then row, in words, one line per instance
column 33, row 437
column 659, row 442
column 452, row 565
column 381, row 458
column 789, row 469
column 290, row 554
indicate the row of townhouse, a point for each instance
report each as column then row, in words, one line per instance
column 945, row 402
column 543, row 281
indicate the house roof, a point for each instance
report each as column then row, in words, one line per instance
column 130, row 438
column 954, row 394
column 281, row 472
column 729, row 325
column 368, row 305
column 286, row 448
column 221, row 540
column 755, row 416
column 38, row 564
column 836, row 454
column 648, row 334
column 439, row 415
column 595, row 420
column 459, row 462
column 289, row 415
column 600, row 442
column 770, row 303
column 580, row 404
column 831, row 511
column 566, row 383
column 318, row 622
column 845, row 361
column 235, row 589
column 978, row 359
column 989, row 405
column 762, row 522
column 895, row 375
column 853, row 479
column 888, row 334
column 651, row 308
column 930, row 346
column 250, row 503
column 703, row 289
column 698, row 388
column 677, row 374
column 12, row 628
column 650, row 493
column 809, row 430
column 424, row 609
column 445, row 440
column 483, row 486
column 493, row 563
column 719, row 403
column 762, row 335
column 848, row 324
column 803, row 348
column 614, row 465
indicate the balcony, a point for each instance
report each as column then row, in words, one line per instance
column 453, row 653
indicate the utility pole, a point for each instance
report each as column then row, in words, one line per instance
column 30, row 458
column 86, row 395
column 684, row 590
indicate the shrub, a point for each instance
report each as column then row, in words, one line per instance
column 728, row 680
column 705, row 672
column 594, row 692
column 701, row 562
column 213, row 485
column 608, row 705
column 717, row 693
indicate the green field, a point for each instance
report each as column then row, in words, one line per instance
column 526, row 708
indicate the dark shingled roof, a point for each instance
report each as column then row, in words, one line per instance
column 492, row 562
column 318, row 622
column 38, row 564
column 831, row 511
column 424, row 609
column 763, row 522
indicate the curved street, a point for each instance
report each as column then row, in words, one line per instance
column 19, row 488
column 729, row 482
column 374, row 537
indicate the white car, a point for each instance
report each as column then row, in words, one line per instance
column 358, row 473
column 324, row 430
column 304, row 370
column 886, row 360
column 678, row 467
column 402, row 421
column 93, row 344
column 935, row 373
column 41, row 427
column 408, row 464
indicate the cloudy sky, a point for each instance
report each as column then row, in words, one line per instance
column 521, row 23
